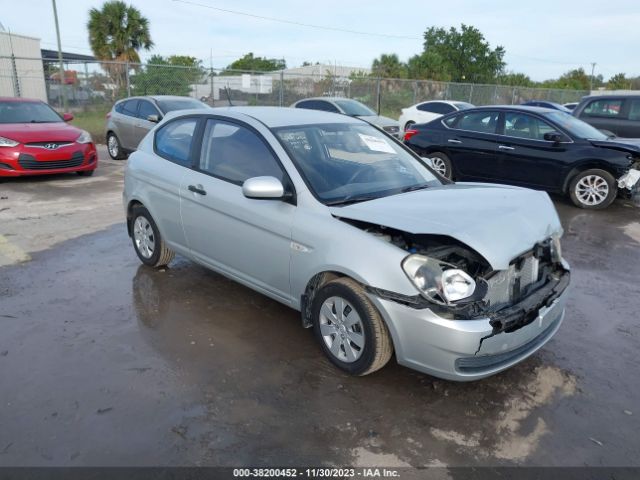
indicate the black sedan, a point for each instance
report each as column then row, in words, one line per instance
column 531, row 147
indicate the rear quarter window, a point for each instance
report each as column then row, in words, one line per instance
column 173, row 141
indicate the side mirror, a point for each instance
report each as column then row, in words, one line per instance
column 555, row 137
column 266, row 188
column 67, row 117
column 153, row 118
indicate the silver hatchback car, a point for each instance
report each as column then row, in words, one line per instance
column 131, row 119
column 338, row 220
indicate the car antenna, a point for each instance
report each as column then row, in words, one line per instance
column 226, row 89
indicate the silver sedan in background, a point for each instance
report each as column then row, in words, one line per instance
column 131, row 119
column 350, row 107
column 338, row 220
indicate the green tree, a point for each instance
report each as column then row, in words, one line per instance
column 575, row 79
column 388, row 65
column 168, row 76
column 117, row 32
column 619, row 82
column 515, row 80
column 463, row 54
column 428, row 65
column 257, row 64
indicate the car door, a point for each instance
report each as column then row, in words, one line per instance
column 126, row 130
column 605, row 114
column 247, row 239
column 143, row 125
column 526, row 158
column 162, row 175
column 471, row 144
column 631, row 127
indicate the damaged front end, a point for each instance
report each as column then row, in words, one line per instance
column 457, row 283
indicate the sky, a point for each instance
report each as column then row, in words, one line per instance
column 543, row 39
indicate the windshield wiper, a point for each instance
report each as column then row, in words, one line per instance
column 349, row 199
column 413, row 188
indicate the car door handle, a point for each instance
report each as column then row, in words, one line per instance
column 451, row 140
column 505, row 147
column 197, row 189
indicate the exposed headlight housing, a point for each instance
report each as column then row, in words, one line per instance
column 556, row 248
column 438, row 281
column 85, row 137
column 7, row 142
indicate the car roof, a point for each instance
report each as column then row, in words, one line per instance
column 273, row 117
column 20, row 100
column 522, row 108
column 611, row 96
column 157, row 97
column 330, row 99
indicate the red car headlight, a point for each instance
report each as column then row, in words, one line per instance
column 7, row 142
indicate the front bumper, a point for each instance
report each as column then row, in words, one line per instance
column 630, row 181
column 465, row 350
column 24, row 160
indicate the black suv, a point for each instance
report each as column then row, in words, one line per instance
column 618, row 114
column 530, row 147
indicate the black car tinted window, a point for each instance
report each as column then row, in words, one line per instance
column 130, row 107
column 235, row 153
column 428, row 107
column 317, row 105
column 522, row 125
column 173, row 140
column 634, row 109
column 484, row 122
column 604, row 108
column 146, row 109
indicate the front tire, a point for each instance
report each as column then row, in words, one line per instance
column 441, row 164
column 147, row 241
column 349, row 328
column 593, row 189
column 114, row 148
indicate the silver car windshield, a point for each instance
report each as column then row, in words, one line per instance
column 347, row 163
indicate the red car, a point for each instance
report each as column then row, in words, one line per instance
column 36, row 140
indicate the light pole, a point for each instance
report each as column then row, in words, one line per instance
column 593, row 67
column 62, row 92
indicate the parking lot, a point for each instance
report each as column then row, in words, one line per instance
column 113, row 363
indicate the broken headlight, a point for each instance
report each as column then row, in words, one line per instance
column 438, row 281
column 556, row 248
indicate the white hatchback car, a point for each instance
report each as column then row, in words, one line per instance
column 426, row 111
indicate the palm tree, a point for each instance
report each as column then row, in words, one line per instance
column 116, row 32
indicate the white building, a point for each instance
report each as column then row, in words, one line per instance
column 22, row 75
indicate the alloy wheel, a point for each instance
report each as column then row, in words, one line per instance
column 592, row 190
column 439, row 166
column 112, row 145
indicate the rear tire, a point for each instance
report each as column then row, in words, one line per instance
column 349, row 328
column 441, row 164
column 114, row 148
column 147, row 241
column 593, row 189
column 408, row 125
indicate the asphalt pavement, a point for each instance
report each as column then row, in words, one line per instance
column 106, row 362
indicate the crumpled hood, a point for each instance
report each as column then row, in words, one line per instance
column 380, row 120
column 499, row 222
column 631, row 145
column 40, row 132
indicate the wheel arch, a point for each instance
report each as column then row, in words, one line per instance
column 587, row 165
column 130, row 206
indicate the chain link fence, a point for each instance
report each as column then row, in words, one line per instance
column 89, row 89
